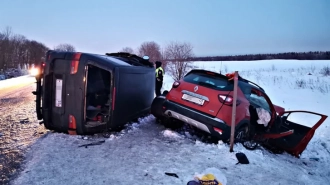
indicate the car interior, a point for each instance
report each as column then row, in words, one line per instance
column 97, row 96
column 260, row 113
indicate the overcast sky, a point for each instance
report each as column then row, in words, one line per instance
column 213, row 27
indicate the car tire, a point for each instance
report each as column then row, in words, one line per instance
column 242, row 136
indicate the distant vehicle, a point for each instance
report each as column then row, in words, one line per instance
column 82, row 93
column 204, row 100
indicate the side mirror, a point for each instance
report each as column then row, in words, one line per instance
column 145, row 57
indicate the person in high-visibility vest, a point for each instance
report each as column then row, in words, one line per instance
column 159, row 77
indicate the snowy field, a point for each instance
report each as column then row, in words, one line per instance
column 144, row 151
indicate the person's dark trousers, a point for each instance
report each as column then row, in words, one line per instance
column 158, row 88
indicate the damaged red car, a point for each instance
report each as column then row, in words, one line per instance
column 204, row 100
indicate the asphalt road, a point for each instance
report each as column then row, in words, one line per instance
column 12, row 85
column 19, row 127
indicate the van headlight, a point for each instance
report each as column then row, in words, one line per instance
column 34, row 71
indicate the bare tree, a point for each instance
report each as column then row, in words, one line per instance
column 16, row 50
column 127, row 50
column 152, row 49
column 65, row 47
column 178, row 55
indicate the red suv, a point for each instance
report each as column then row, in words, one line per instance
column 204, row 100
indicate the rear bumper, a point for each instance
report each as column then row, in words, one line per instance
column 197, row 119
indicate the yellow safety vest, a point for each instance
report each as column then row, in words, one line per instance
column 160, row 68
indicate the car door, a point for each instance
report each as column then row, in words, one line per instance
column 297, row 142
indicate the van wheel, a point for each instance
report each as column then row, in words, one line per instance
column 165, row 93
column 242, row 136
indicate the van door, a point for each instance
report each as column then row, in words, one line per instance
column 61, row 70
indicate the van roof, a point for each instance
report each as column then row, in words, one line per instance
column 114, row 59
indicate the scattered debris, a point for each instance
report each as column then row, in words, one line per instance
column 242, row 159
column 314, row 159
column 172, row 174
column 92, row 144
column 25, row 120
column 209, row 176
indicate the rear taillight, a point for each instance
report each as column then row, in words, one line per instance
column 42, row 69
column 75, row 63
column 72, row 123
column 227, row 99
column 176, row 84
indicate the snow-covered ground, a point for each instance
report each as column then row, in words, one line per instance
column 15, row 81
column 144, row 151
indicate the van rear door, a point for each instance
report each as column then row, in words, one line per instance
column 61, row 70
column 59, row 84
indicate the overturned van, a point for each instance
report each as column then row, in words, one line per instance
column 82, row 93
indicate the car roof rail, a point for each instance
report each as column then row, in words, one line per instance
column 248, row 81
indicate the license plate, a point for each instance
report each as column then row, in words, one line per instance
column 58, row 93
column 193, row 99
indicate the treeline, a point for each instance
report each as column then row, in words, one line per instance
column 312, row 55
column 16, row 50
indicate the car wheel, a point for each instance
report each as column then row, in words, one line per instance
column 242, row 136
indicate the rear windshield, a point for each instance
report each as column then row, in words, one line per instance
column 209, row 81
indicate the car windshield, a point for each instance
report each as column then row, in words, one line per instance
column 209, row 81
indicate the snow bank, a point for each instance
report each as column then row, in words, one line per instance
column 143, row 152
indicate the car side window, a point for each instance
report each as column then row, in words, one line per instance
column 246, row 89
column 259, row 101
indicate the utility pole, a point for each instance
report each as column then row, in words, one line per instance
column 233, row 115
